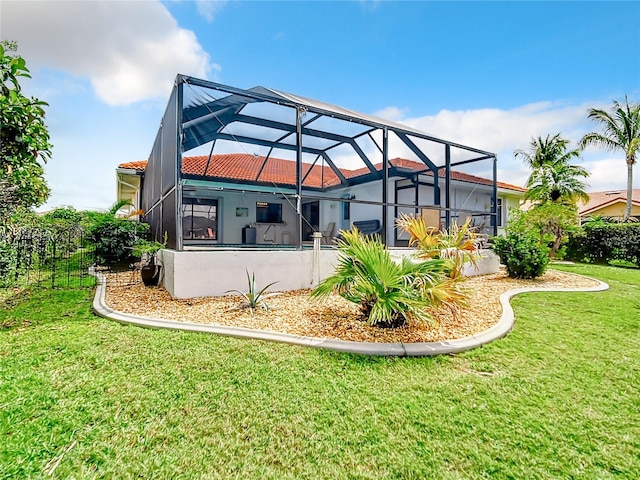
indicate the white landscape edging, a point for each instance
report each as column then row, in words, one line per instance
column 499, row 330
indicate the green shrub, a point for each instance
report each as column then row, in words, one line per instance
column 522, row 253
column 8, row 257
column 575, row 247
column 114, row 239
column 602, row 243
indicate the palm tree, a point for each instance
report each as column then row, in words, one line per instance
column 553, row 177
column 621, row 131
column 558, row 183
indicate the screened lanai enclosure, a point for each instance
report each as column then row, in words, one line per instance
column 262, row 168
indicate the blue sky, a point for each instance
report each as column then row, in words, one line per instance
column 487, row 74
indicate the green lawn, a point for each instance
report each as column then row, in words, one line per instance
column 90, row 398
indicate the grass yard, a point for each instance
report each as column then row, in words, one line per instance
column 83, row 397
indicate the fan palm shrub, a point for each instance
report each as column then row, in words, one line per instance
column 458, row 244
column 389, row 292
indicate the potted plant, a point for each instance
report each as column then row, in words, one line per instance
column 146, row 251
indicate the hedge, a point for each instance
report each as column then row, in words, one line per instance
column 603, row 243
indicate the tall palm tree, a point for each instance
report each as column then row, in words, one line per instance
column 621, row 131
column 553, row 178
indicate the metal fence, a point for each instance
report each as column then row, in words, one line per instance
column 46, row 257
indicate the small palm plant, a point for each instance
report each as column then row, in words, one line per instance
column 389, row 293
column 458, row 244
column 254, row 298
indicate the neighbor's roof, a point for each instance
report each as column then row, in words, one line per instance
column 247, row 167
column 598, row 200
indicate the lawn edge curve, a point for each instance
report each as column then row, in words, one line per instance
column 500, row 329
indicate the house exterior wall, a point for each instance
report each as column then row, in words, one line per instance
column 464, row 198
column 190, row 274
column 509, row 202
column 615, row 210
column 230, row 228
column 128, row 188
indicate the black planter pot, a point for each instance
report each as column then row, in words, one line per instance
column 150, row 273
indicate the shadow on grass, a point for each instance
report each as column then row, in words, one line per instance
column 11, row 299
column 26, row 307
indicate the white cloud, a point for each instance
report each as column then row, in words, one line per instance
column 130, row 51
column 209, row 8
column 610, row 173
column 370, row 6
column 394, row 114
column 503, row 131
column 498, row 130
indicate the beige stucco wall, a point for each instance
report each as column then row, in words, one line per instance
column 615, row 210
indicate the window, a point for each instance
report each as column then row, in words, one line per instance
column 497, row 220
column 268, row 212
column 346, row 211
column 346, row 207
column 199, row 218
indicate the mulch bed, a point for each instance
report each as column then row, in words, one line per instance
column 296, row 313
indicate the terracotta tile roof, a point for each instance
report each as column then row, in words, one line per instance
column 138, row 165
column 598, row 200
column 247, row 167
column 455, row 175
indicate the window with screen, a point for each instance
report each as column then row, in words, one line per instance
column 199, row 219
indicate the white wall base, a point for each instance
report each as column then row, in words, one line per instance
column 210, row 273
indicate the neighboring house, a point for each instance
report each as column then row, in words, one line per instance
column 220, row 198
column 611, row 203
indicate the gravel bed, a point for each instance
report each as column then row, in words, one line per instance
column 296, row 313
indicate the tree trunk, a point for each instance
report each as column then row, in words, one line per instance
column 557, row 243
column 627, row 211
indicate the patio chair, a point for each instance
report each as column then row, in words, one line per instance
column 327, row 234
column 368, row 227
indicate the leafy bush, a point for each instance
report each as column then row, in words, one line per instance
column 522, row 253
column 114, row 239
column 8, row 255
column 602, row 243
column 389, row 293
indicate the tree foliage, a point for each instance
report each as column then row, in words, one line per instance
column 553, row 177
column 553, row 222
column 24, row 138
column 620, row 131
